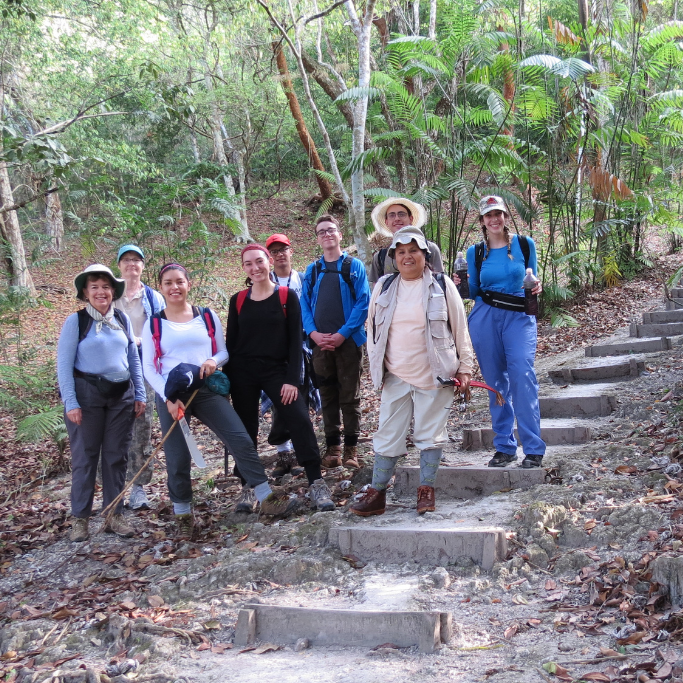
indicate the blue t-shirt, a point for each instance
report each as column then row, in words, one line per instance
column 499, row 273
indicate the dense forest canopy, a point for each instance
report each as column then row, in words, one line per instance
column 121, row 119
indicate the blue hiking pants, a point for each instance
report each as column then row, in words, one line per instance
column 505, row 344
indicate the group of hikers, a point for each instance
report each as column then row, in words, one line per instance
column 296, row 342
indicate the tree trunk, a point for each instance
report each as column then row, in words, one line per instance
column 195, row 147
column 304, row 136
column 54, row 220
column 432, row 20
column 10, row 231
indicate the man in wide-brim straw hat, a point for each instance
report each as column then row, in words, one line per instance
column 390, row 216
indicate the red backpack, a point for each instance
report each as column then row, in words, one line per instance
column 156, row 327
column 282, row 291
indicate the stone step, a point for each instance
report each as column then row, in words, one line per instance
column 468, row 482
column 631, row 346
column 626, row 368
column 553, row 434
column 673, row 316
column 656, row 329
column 674, row 305
column 676, row 292
column 351, row 628
column 600, row 405
column 391, row 545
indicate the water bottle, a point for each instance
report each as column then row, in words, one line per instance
column 461, row 272
column 530, row 300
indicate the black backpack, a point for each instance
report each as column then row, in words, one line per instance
column 345, row 272
column 480, row 249
column 85, row 322
column 382, row 258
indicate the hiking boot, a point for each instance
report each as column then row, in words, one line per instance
column 246, row 501
column 138, row 498
column 372, row 503
column 79, row 530
column 425, row 499
column 350, row 458
column 185, row 526
column 286, row 464
column 320, row 496
column 532, row 460
column 279, row 504
column 332, row 457
column 120, row 527
column 502, row 459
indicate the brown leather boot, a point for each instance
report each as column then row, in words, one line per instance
column 425, row 499
column 332, row 457
column 350, row 458
column 373, row 502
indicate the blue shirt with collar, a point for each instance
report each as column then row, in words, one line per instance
column 355, row 312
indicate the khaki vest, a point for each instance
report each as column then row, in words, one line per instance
column 443, row 357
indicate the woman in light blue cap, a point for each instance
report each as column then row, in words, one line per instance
column 139, row 302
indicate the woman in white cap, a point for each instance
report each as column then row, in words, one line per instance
column 417, row 331
column 504, row 336
column 390, row 216
column 100, row 381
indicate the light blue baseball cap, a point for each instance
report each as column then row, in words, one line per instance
column 130, row 247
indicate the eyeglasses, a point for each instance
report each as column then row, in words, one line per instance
column 132, row 260
column 326, row 231
column 400, row 214
column 277, row 252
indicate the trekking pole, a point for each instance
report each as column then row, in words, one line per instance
column 109, row 510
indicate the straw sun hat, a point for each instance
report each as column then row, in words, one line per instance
column 419, row 215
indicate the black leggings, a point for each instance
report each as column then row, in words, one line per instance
column 247, row 380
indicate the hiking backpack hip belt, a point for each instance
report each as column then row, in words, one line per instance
column 508, row 302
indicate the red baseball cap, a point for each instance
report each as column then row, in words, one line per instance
column 278, row 237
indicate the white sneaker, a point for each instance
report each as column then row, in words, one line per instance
column 321, row 496
column 138, row 498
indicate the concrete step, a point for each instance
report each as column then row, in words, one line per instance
column 606, row 370
column 631, row 346
column 674, row 305
column 469, row 481
column 553, row 432
column 673, row 316
column 392, row 545
column 676, row 292
column 597, row 405
column 352, row 628
column 656, row 329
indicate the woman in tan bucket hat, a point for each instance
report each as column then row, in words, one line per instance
column 390, row 216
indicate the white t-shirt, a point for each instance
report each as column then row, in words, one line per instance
column 406, row 354
column 180, row 343
column 293, row 281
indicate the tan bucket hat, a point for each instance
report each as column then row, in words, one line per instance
column 98, row 269
column 407, row 235
column 379, row 213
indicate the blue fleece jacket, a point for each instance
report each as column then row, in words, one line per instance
column 498, row 272
column 355, row 312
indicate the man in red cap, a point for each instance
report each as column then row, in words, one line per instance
column 280, row 249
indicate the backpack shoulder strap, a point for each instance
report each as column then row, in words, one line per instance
column 149, row 293
column 387, row 283
column 241, row 298
column 155, row 329
column 122, row 321
column 315, row 273
column 439, row 277
column 210, row 327
column 479, row 255
column 84, row 324
column 283, row 293
column 381, row 260
column 346, row 275
column 526, row 251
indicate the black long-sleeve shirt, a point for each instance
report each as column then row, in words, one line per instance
column 262, row 333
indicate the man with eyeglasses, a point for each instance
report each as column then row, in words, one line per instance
column 389, row 217
column 334, row 307
column 139, row 302
column 280, row 249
